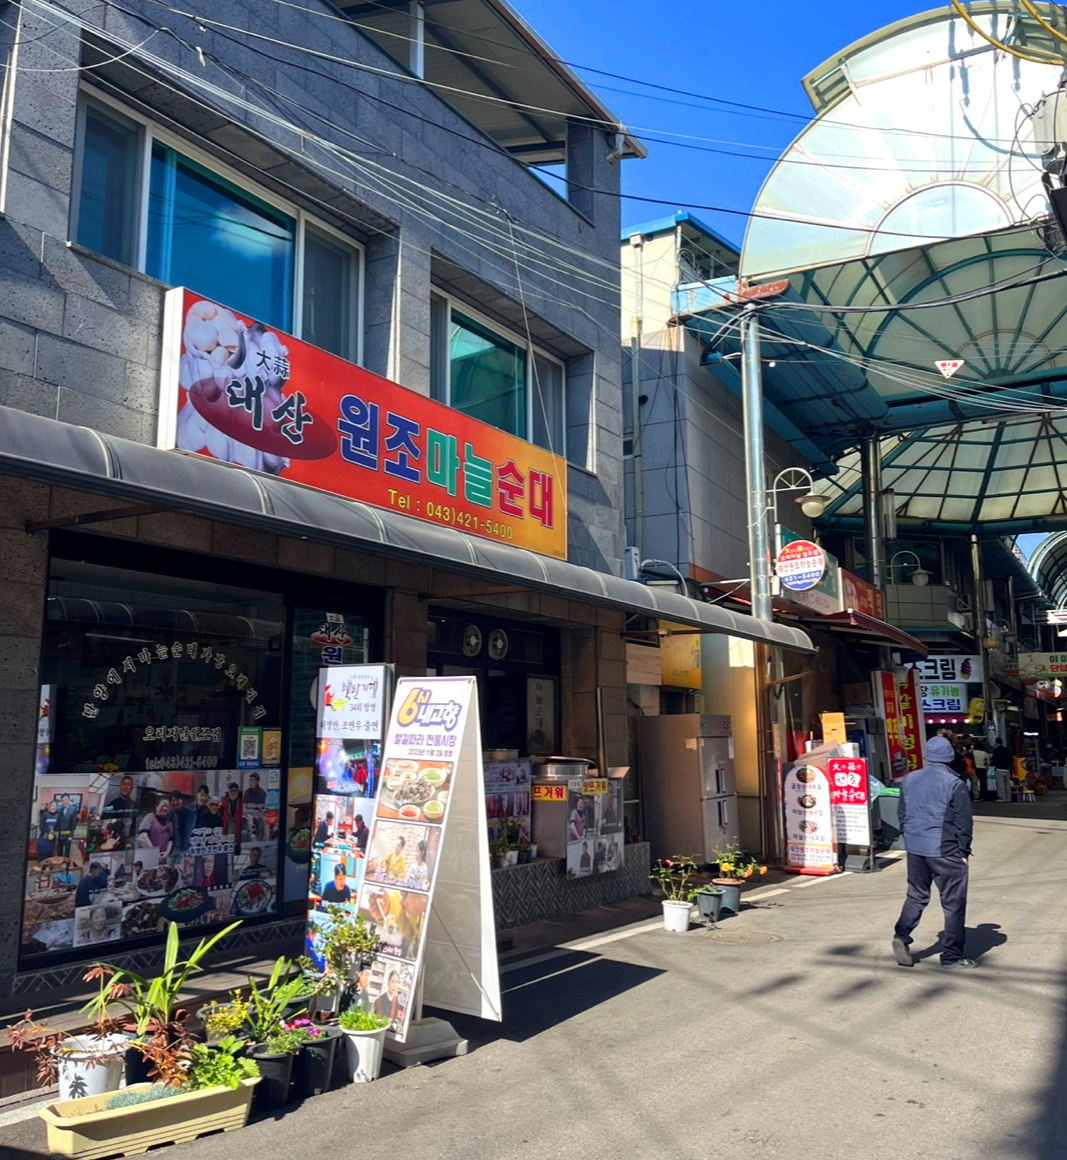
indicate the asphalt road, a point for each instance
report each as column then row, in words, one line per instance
column 795, row 1036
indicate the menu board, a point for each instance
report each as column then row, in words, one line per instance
column 811, row 841
column 850, row 800
column 429, row 825
column 351, row 701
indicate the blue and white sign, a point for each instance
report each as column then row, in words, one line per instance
column 800, row 565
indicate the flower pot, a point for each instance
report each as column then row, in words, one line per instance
column 81, row 1128
column 364, row 1053
column 511, row 858
column 90, row 1065
column 313, row 1065
column 676, row 915
column 524, row 857
column 709, row 903
column 138, row 1069
column 275, row 1072
column 533, row 851
column 731, row 893
column 500, row 861
column 299, row 1006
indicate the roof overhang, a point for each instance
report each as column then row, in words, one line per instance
column 859, row 624
column 484, row 60
column 53, row 452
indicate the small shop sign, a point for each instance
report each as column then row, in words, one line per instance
column 949, row 667
column 800, row 565
column 850, row 800
column 811, row 839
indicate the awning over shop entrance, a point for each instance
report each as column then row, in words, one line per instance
column 52, row 452
column 860, row 624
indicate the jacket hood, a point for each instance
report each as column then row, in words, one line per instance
column 940, row 749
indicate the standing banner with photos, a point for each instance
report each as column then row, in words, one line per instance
column 427, row 894
column 810, row 831
column 352, row 702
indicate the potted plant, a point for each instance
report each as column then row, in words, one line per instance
column 269, row 1001
column 223, row 1019
column 155, row 1017
column 673, row 876
column 735, row 867
column 512, row 837
column 498, row 853
column 709, row 901
column 524, row 850
column 364, row 1033
column 89, row 1064
column 275, row 1060
column 347, row 947
column 313, row 1064
column 213, row 1092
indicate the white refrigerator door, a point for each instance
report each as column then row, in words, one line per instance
column 716, row 767
column 720, row 827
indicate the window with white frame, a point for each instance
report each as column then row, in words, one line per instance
column 481, row 370
column 145, row 200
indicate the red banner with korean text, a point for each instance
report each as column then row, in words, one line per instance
column 860, row 596
column 885, row 699
column 237, row 391
column 912, row 732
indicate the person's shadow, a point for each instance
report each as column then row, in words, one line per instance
column 978, row 940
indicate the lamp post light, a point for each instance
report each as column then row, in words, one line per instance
column 991, row 641
column 919, row 576
column 798, row 479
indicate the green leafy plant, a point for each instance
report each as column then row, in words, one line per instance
column 288, row 1041
column 219, row 1066
column 673, row 876
column 512, row 834
column 268, row 1002
column 356, row 1019
column 346, row 945
column 128, row 1099
column 733, row 862
column 498, row 847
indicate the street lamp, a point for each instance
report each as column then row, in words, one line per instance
column 798, row 479
column 919, row 577
column 990, row 640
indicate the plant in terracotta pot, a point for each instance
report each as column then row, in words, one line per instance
column 735, row 867
column 674, row 876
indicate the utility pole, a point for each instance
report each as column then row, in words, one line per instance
column 759, row 556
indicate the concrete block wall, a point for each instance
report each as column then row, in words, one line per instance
column 80, row 335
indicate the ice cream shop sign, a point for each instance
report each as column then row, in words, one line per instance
column 236, row 391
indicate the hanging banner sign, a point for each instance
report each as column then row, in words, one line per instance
column 1035, row 666
column 236, row 390
column 851, row 804
column 912, row 730
column 885, row 700
column 811, row 839
column 949, row 366
column 800, row 565
column 427, row 895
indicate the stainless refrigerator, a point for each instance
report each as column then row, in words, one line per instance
column 688, row 787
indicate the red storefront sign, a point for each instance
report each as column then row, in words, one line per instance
column 849, row 799
column 239, row 392
column 885, row 699
column 912, row 733
column 859, row 596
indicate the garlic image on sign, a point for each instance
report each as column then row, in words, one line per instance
column 219, row 347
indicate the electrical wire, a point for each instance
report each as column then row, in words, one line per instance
column 975, row 27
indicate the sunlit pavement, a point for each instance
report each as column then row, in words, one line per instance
column 790, row 1032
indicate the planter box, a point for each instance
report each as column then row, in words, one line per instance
column 79, row 1128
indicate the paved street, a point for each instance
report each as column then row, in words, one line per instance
column 793, row 1033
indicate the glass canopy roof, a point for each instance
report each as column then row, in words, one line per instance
column 922, row 134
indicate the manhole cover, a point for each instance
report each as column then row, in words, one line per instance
column 745, row 938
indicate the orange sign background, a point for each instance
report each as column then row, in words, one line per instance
column 237, row 391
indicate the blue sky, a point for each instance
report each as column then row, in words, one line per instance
column 750, row 52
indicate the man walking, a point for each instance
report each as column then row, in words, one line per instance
column 935, row 819
column 1002, row 761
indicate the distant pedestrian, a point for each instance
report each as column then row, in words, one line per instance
column 1003, row 763
column 935, row 819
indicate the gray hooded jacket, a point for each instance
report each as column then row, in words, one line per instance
column 935, row 807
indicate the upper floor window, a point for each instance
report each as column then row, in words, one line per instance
column 187, row 224
column 495, row 377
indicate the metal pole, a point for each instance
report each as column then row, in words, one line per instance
column 872, row 510
column 759, row 557
column 979, row 631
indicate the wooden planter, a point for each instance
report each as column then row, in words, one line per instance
column 82, row 1129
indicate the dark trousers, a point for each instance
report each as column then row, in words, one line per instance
column 950, row 876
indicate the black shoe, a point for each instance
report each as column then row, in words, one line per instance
column 902, row 954
column 959, row 965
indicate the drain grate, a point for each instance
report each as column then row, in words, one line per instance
column 745, row 938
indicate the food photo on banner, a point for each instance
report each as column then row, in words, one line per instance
column 414, row 791
column 397, row 918
column 341, row 823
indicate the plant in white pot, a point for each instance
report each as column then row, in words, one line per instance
column 364, row 1042
column 673, row 876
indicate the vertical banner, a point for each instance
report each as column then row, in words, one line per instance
column 912, row 730
column 351, row 706
column 850, row 800
column 430, row 826
column 811, row 841
column 885, row 700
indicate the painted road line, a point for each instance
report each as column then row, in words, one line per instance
column 814, row 881
column 768, row 892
